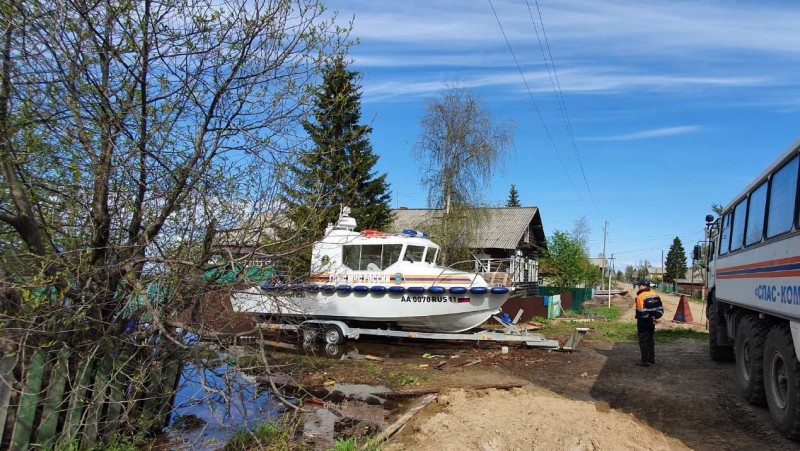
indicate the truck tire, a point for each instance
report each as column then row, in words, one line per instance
column 751, row 334
column 718, row 353
column 781, row 379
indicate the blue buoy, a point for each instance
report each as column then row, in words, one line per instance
column 478, row 290
column 436, row 289
column 344, row 288
column 416, row 289
column 267, row 287
column 295, row 287
column 457, row 290
column 312, row 287
column 396, row 289
column 378, row 289
column 328, row 288
column 361, row 288
column 499, row 290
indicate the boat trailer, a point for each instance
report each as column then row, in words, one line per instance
column 334, row 332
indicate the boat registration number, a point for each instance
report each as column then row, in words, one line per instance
column 429, row 299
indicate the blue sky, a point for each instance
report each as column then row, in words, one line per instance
column 673, row 105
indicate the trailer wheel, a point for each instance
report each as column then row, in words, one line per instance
column 309, row 334
column 750, row 337
column 334, row 335
column 718, row 353
column 781, row 378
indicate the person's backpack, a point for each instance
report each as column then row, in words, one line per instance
column 652, row 307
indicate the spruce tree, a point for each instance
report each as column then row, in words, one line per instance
column 513, row 197
column 338, row 170
column 675, row 265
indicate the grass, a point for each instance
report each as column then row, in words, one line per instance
column 265, row 436
column 351, row 444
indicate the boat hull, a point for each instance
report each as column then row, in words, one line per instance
column 420, row 312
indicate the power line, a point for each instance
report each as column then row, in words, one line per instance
column 559, row 94
column 538, row 111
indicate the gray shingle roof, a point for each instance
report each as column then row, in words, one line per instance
column 503, row 228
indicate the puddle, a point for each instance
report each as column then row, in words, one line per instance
column 213, row 403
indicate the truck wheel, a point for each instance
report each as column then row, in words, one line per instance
column 781, row 378
column 717, row 352
column 750, row 337
column 334, row 335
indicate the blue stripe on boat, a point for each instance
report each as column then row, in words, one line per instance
column 457, row 290
column 478, row 290
column 377, row 289
column 416, row 289
column 361, row 288
column 396, row 289
column 436, row 289
column 499, row 290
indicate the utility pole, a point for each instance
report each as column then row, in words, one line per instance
column 603, row 276
column 610, row 271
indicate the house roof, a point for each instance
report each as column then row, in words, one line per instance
column 503, row 228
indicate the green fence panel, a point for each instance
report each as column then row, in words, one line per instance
column 26, row 411
column 7, row 382
column 46, row 434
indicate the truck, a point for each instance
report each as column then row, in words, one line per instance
column 752, row 259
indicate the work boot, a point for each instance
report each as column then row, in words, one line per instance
column 642, row 364
column 652, row 361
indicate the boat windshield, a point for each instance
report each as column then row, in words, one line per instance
column 430, row 256
column 414, row 253
column 371, row 257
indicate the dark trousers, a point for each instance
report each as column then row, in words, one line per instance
column 647, row 344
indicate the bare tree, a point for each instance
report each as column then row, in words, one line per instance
column 580, row 233
column 460, row 146
column 130, row 133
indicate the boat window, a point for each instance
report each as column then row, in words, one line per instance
column 725, row 238
column 430, row 256
column 373, row 257
column 737, row 229
column 391, row 254
column 414, row 253
column 782, row 193
column 755, row 215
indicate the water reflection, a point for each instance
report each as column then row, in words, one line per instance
column 213, row 402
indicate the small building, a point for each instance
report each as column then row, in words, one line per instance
column 507, row 239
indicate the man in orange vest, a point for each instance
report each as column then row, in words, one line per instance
column 648, row 309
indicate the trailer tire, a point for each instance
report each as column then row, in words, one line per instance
column 309, row 334
column 781, row 379
column 334, row 335
column 751, row 335
column 718, row 353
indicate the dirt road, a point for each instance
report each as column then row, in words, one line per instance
column 596, row 398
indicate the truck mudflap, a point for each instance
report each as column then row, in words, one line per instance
column 795, row 328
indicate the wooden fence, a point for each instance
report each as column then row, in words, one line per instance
column 56, row 397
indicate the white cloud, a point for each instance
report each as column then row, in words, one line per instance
column 646, row 134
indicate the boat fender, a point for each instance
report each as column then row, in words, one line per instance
column 344, row 288
column 328, row 288
column 295, row 287
column 478, row 290
column 372, row 233
column 499, row 290
column 312, row 287
column 378, row 289
column 436, row 289
column 361, row 288
column 280, row 286
column 267, row 287
column 416, row 289
column 457, row 290
column 396, row 289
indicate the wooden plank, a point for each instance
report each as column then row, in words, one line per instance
column 45, row 436
column 23, row 428
column 95, row 409
column 395, row 427
column 76, row 399
column 7, row 382
column 169, row 383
